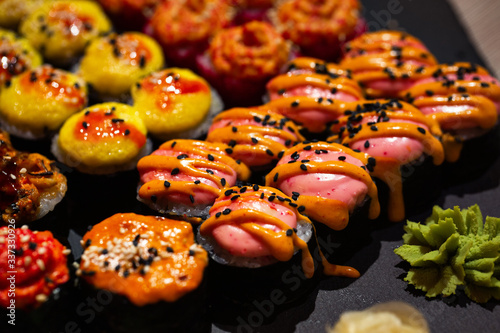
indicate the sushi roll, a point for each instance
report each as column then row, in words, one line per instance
column 328, row 179
column 256, row 136
column 61, row 30
column 240, row 60
column 319, row 28
column 314, row 114
column 465, row 100
column 150, row 268
column 37, row 102
column 314, row 85
column 404, row 146
column 112, row 64
column 176, row 103
column 386, row 62
column 12, row 12
column 129, row 14
column 184, row 28
column 184, row 177
column 30, row 184
column 17, row 56
column 40, row 263
column 102, row 139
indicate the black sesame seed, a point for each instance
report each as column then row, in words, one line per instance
column 117, row 120
column 182, row 156
column 117, row 268
column 223, row 181
column 142, row 61
column 33, row 77
column 301, row 209
column 210, row 172
column 269, row 152
column 127, row 132
column 303, row 167
column 217, row 215
column 87, row 243
column 85, row 124
column 293, row 204
column 170, row 249
column 126, row 273
column 173, row 144
column 254, row 140
column 210, row 157
column 421, row 130
column 191, row 198
column 307, row 148
column 342, row 158
column 272, row 197
column 229, row 150
column 234, row 197
column 367, row 144
column 255, row 187
column 294, row 104
column 243, row 190
column 32, row 246
column 135, row 242
column 462, row 89
column 429, row 93
column 174, row 171
column 374, row 128
column 197, row 181
column 289, row 232
column 226, row 211
column 166, row 184
column 104, row 251
column 484, row 85
column 276, row 176
column 257, row 119
column 191, row 253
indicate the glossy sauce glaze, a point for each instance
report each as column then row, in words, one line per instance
column 39, row 262
column 147, row 259
column 328, row 179
column 386, row 62
column 188, row 172
column 463, row 98
column 257, row 214
column 394, row 133
column 257, row 136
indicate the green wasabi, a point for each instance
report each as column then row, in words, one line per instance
column 454, row 248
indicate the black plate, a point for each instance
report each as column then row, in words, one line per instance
column 92, row 199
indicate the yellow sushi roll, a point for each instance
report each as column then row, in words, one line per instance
column 37, row 102
column 175, row 102
column 113, row 63
column 62, row 29
column 102, row 139
column 16, row 56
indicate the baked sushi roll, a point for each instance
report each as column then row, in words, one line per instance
column 30, row 184
column 404, row 146
column 314, row 114
column 40, row 264
column 465, row 100
column 129, row 14
column 184, row 177
column 12, row 12
column 184, row 28
column 176, row 103
column 257, row 137
column 314, row 85
column 61, row 30
column 386, row 62
column 240, row 60
column 328, row 179
column 102, row 139
column 319, row 28
column 37, row 102
column 17, row 56
column 113, row 63
column 151, row 269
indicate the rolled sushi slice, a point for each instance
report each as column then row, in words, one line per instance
column 36, row 103
column 40, row 264
column 150, row 268
column 396, row 135
column 329, row 180
column 17, row 56
column 314, row 114
column 319, row 28
column 102, row 139
column 463, row 98
column 386, row 62
column 257, row 136
column 30, row 184
column 314, row 85
column 113, row 63
column 184, row 177
column 61, row 30
column 176, row 103
column 256, row 226
column 184, row 28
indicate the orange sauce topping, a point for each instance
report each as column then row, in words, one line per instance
column 255, row 143
column 318, row 66
column 96, row 125
column 144, row 258
column 165, row 85
column 40, row 265
column 254, row 51
column 73, row 22
column 216, row 159
column 282, row 243
column 130, row 48
column 52, row 83
column 388, row 168
column 333, row 213
column 13, row 60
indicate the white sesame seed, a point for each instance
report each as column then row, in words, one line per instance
column 75, row 264
column 66, row 252
column 42, row 250
column 27, row 261
column 12, row 176
column 24, row 227
column 40, row 264
column 2, row 240
column 24, row 238
column 41, row 298
column 23, row 170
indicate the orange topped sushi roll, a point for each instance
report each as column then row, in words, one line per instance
column 37, row 102
column 62, row 29
column 12, row 12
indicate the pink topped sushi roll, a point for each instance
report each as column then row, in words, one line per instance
column 386, row 62
column 257, row 136
column 463, row 98
column 328, row 179
column 395, row 134
column 185, row 176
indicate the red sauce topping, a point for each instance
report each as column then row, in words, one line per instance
column 130, row 47
column 72, row 21
column 99, row 125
